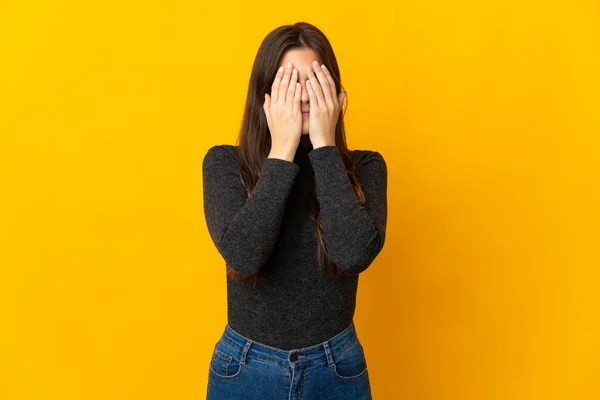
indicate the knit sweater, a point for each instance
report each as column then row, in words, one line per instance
column 296, row 305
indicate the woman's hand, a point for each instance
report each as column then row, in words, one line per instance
column 283, row 112
column 325, row 105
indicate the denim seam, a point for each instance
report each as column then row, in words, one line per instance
column 286, row 365
column 226, row 377
column 305, row 372
column 347, row 378
column 229, row 344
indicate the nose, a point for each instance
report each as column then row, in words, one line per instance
column 305, row 97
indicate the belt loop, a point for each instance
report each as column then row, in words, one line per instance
column 245, row 350
column 328, row 353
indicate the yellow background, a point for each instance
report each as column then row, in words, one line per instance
column 487, row 113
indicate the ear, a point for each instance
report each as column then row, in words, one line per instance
column 341, row 97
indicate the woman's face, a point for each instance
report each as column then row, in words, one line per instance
column 300, row 59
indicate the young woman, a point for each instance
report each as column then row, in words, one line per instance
column 297, row 217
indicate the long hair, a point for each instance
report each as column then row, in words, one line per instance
column 254, row 141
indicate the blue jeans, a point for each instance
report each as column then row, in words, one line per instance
column 241, row 368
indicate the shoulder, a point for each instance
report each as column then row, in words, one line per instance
column 220, row 160
column 369, row 165
column 221, row 152
column 366, row 157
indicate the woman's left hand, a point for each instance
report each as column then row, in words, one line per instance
column 325, row 105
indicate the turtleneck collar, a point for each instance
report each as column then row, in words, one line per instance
column 304, row 147
column 305, row 142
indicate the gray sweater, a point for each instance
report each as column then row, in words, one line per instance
column 296, row 305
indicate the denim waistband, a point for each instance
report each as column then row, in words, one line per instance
column 307, row 355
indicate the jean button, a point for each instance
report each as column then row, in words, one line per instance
column 294, row 356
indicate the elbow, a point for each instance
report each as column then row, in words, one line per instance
column 355, row 265
column 240, row 261
column 240, row 258
column 243, row 269
column 353, row 268
column 357, row 261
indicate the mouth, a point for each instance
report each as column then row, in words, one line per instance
column 305, row 114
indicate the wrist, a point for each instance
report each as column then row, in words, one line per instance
column 322, row 144
column 287, row 155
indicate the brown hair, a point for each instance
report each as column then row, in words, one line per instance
column 254, row 141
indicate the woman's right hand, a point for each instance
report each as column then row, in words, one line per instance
column 283, row 112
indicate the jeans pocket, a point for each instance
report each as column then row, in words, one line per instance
column 350, row 364
column 225, row 363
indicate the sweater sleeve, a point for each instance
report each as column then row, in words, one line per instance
column 245, row 228
column 353, row 234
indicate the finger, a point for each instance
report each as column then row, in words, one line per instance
column 266, row 106
column 334, row 95
column 311, row 95
column 325, row 88
column 292, row 87
column 297, row 97
column 283, row 86
column 275, row 86
column 316, row 87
